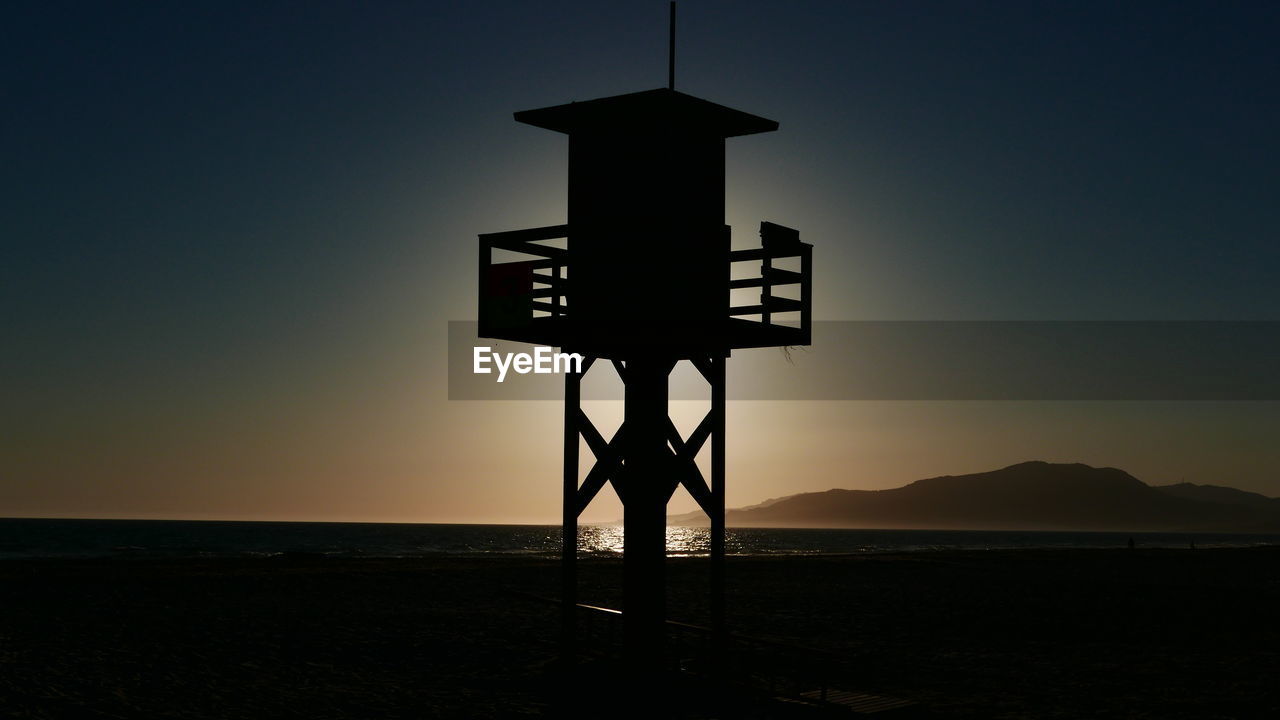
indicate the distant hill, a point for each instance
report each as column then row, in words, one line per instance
column 1026, row 496
column 1220, row 494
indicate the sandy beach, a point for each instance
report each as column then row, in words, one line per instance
column 981, row 634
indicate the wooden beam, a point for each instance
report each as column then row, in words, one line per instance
column 602, row 472
column 546, row 306
column 761, row 253
column 691, row 447
column 774, row 276
column 686, row 453
column 529, row 248
column 551, row 280
column 548, row 232
column 783, row 304
column 531, row 264
column 699, row 436
column 599, row 447
column 703, row 366
column 772, row 304
column 688, row 475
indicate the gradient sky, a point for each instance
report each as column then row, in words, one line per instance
column 233, row 233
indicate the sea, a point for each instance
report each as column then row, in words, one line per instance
column 32, row 538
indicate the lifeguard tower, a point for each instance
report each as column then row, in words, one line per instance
column 642, row 276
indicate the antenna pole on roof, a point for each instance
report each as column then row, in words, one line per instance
column 671, row 51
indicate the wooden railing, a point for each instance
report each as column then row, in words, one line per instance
column 777, row 243
column 527, row 242
column 524, row 288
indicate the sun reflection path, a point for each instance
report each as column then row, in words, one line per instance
column 607, row 540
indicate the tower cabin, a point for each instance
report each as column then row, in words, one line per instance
column 644, row 265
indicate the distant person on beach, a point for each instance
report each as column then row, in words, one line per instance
column 1130, row 542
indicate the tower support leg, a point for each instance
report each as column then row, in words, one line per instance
column 646, row 473
column 716, row 512
column 569, row 527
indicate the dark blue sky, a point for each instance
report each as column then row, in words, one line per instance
column 252, row 220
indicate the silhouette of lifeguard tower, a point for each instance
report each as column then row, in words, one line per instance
column 642, row 276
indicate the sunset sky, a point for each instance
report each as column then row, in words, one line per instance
column 234, row 233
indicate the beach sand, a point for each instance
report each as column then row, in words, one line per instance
column 976, row 634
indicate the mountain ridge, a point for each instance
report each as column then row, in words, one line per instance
column 1033, row 495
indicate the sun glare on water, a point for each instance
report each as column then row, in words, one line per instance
column 607, row 539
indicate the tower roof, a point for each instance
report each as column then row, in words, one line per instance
column 648, row 110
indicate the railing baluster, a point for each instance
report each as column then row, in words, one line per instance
column 555, row 299
column 766, row 289
column 806, row 294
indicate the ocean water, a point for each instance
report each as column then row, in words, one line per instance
column 173, row 538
